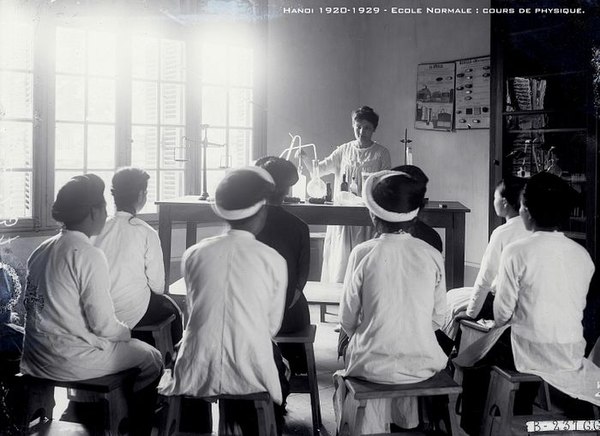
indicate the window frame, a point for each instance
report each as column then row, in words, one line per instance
column 44, row 110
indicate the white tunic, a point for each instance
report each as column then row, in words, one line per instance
column 353, row 161
column 71, row 332
column 236, row 289
column 541, row 292
column 473, row 298
column 135, row 263
column 394, row 299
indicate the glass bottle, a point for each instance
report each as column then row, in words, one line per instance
column 354, row 186
column 344, row 184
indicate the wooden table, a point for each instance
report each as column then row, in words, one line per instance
column 449, row 215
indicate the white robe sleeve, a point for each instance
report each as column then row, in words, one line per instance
column 279, row 294
column 153, row 263
column 439, row 302
column 486, row 276
column 96, row 302
column 350, row 304
column 331, row 163
column 507, row 288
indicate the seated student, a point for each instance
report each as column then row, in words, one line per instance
column 288, row 235
column 420, row 230
column 132, row 247
column 477, row 301
column 71, row 332
column 11, row 334
column 236, row 290
column 394, row 295
column 541, row 291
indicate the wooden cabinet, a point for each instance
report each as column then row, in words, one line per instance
column 544, row 105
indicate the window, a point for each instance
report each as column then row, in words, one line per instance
column 227, row 92
column 78, row 98
column 16, row 118
column 158, row 114
column 85, row 104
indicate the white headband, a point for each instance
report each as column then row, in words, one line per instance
column 240, row 214
column 377, row 210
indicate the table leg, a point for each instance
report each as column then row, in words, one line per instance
column 458, row 247
column 191, row 230
column 165, row 226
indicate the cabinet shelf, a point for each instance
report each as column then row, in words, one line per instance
column 574, row 129
column 531, row 112
column 576, row 235
column 548, row 75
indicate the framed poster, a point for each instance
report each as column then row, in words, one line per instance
column 472, row 109
column 435, row 96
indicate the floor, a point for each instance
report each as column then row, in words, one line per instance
column 298, row 419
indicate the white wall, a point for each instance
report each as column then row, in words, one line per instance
column 321, row 67
column 313, row 77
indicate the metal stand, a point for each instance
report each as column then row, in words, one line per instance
column 407, row 148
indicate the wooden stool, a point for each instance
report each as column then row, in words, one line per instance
column 503, row 387
column 306, row 384
column 161, row 333
column 262, row 403
column 111, row 389
column 33, row 403
column 323, row 294
column 439, row 384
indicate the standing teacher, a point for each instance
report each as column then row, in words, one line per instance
column 351, row 159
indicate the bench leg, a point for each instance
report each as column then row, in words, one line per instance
column 266, row 418
column 117, row 412
column 501, row 397
column 170, row 425
column 358, row 420
column 323, row 311
column 313, row 386
column 490, row 407
column 38, row 402
column 452, row 414
column 543, row 396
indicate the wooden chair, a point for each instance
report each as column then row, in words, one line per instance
column 262, row 403
column 111, row 389
column 439, row 384
column 306, row 384
column 161, row 333
column 323, row 294
column 503, row 387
